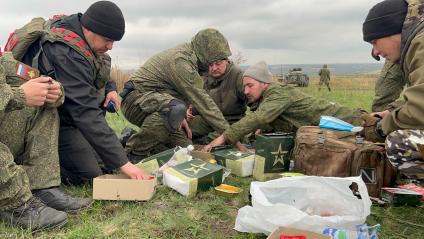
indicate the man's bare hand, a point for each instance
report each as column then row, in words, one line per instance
column 187, row 129
column 112, row 96
column 134, row 172
column 54, row 92
column 216, row 142
column 36, row 91
column 189, row 114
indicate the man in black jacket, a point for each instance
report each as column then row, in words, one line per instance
column 74, row 50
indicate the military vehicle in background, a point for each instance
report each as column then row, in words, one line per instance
column 295, row 76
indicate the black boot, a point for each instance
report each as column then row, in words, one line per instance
column 58, row 200
column 34, row 215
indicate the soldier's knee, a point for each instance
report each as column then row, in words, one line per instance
column 174, row 114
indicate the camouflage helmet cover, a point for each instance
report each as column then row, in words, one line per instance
column 210, row 45
column 325, row 66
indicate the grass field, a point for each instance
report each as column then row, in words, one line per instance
column 170, row 215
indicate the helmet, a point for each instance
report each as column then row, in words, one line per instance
column 210, row 45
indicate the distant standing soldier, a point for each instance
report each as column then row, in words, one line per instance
column 324, row 77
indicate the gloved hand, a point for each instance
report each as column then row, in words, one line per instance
column 372, row 128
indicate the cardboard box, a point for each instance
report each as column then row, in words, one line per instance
column 288, row 231
column 121, row 187
column 273, row 152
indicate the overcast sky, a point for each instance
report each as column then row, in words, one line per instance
column 277, row 31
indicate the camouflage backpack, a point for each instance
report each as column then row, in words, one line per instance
column 39, row 30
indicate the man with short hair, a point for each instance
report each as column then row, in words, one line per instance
column 29, row 160
column 395, row 30
column 74, row 54
column 324, row 77
column 275, row 106
column 224, row 84
column 157, row 95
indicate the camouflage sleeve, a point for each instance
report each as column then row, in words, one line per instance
column 190, row 84
column 388, row 88
column 272, row 106
column 411, row 114
column 12, row 98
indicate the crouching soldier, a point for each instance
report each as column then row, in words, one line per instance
column 279, row 108
column 157, row 95
column 29, row 161
column 400, row 41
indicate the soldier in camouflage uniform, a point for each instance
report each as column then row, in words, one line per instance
column 401, row 41
column 29, row 162
column 388, row 87
column 224, row 84
column 324, row 77
column 276, row 106
column 157, row 95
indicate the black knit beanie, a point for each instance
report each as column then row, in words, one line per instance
column 384, row 19
column 105, row 19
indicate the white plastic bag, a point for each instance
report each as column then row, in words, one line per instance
column 309, row 202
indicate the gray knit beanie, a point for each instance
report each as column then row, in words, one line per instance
column 259, row 72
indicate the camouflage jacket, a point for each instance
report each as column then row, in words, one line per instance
column 324, row 74
column 388, row 87
column 227, row 92
column 410, row 115
column 282, row 104
column 175, row 72
column 12, row 98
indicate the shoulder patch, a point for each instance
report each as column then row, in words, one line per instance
column 26, row 71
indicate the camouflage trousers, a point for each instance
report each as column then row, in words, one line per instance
column 142, row 109
column 28, row 154
column 402, row 149
column 326, row 82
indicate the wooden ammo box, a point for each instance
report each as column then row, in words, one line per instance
column 192, row 176
column 240, row 163
column 273, row 152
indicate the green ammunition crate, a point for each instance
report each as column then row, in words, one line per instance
column 154, row 162
column 240, row 163
column 273, row 152
column 190, row 177
column 399, row 196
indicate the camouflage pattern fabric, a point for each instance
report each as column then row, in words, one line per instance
column 153, row 137
column 227, row 92
column 210, row 45
column 410, row 115
column 324, row 77
column 285, row 106
column 28, row 144
column 173, row 74
column 388, row 87
column 403, row 152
